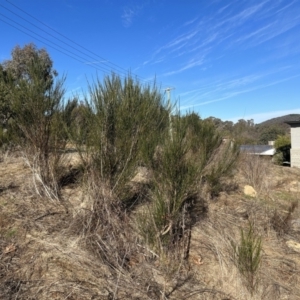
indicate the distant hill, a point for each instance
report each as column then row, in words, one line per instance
column 281, row 120
column 248, row 133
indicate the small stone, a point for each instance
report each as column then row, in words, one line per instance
column 293, row 245
column 142, row 175
column 295, row 225
column 249, row 191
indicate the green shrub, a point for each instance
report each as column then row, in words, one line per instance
column 282, row 146
column 220, row 167
column 3, row 137
column 127, row 119
column 175, row 181
column 36, row 104
column 183, row 158
column 247, row 257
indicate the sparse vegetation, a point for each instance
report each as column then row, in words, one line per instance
column 255, row 171
column 247, row 256
column 282, row 222
column 148, row 214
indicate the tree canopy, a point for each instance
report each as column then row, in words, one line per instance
column 22, row 58
column 18, row 70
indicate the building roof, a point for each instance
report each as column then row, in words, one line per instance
column 292, row 122
column 292, row 119
column 258, row 149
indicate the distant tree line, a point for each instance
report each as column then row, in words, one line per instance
column 246, row 132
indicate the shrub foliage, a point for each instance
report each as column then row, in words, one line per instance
column 248, row 256
column 35, row 100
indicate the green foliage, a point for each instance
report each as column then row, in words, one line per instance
column 202, row 137
column 22, row 58
column 282, row 141
column 283, row 146
column 221, row 166
column 192, row 151
column 5, row 111
column 3, row 138
column 76, row 117
column 36, row 104
column 244, row 132
column 17, row 69
column 175, row 182
column 215, row 158
column 126, row 121
column 248, row 256
column 270, row 133
column 68, row 111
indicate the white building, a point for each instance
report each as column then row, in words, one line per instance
column 295, row 141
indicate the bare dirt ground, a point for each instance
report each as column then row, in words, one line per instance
column 40, row 258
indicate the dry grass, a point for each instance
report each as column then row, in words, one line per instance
column 256, row 171
column 49, row 253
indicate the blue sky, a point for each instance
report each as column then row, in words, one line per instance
column 228, row 59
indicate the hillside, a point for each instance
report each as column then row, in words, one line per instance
column 43, row 256
column 281, row 120
column 276, row 126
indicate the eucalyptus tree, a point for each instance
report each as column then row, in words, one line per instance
column 35, row 98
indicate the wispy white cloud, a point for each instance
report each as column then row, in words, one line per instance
column 207, row 40
column 249, row 11
column 268, row 32
column 287, row 6
column 190, row 22
column 257, row 33
column 127, row 16
column 206, row 33
column 177, row 42
column 286, row 47
column 235, row 20
column 222, row 9
column 191, row 64
column 131, row 12
column 227, row 90
column 269, row 23
column 225, row 84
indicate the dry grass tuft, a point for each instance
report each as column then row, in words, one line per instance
column 282, row 222
column 255, row 171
